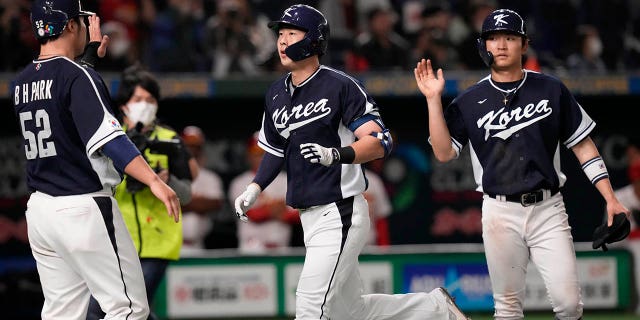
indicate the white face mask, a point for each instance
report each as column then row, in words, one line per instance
column 142, row 111
column 595, row 46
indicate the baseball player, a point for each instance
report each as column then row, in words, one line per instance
column 76, row 153
column 515, row 120
column 321, row 124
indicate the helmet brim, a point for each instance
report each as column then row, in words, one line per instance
column 279, row 24
column 501, row 30
column 85, row 13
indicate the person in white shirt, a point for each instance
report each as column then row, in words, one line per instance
column 270, row 219
column 379, row 209
column 207, row 196
column 629, row 196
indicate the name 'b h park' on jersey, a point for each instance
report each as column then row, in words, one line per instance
column 76, row 154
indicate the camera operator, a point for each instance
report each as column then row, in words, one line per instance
column 156, row 236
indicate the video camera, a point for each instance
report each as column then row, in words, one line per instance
column 173, row 149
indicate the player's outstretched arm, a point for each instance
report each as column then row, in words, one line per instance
column 432, row 85
column 596, row 171
column 139, row 169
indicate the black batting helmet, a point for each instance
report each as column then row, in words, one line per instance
column 50, row 17
column 309, row 20
column 619, row 229
column 501, row 20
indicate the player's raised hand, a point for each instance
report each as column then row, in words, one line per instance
column 430, row 84
column 95, row 35
column 246, row 200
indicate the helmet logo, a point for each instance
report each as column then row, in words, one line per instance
column 48, row 7
column 499, row 18
column 286, row 12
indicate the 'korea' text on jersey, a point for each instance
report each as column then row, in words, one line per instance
column 64, row 112
column 515, row 145
column 325, row 109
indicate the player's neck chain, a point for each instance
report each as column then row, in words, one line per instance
column 507, row 95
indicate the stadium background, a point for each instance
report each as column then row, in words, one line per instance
column 425, row 193
column 436, row 213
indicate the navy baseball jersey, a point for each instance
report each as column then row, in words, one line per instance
column 65, row 116
column 514, row 131
column 324, row 109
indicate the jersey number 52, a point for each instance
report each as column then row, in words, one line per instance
column 36, row 146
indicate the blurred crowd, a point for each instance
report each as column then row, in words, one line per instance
column 231, row 37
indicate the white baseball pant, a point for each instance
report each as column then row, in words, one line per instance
column 514, row 234
column 81, row 246
column 330, row 286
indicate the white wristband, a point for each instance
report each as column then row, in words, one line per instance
column 595, row 170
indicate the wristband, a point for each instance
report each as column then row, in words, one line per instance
column 343, row 155
column 595, row 170
column 90, row 56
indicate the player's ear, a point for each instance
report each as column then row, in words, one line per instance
column 525, row 45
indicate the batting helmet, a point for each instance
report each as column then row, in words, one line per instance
column 619, row 229
column 309, row 20
column 50, row 17
column 503, row 20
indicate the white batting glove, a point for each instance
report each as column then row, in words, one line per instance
column 316, row 153
column 246, row 200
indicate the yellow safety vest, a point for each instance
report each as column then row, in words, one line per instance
column 154, row 233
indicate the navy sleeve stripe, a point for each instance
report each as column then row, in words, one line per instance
column 104, row 140
column 121, row 151
column 364, row 119
column 588, row 162
column 581, row 136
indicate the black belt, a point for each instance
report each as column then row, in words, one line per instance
column 528, row 198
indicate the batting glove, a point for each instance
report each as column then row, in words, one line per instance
column 316, row 153
column 246, row 200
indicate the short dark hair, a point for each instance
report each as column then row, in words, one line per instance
column 133, row 76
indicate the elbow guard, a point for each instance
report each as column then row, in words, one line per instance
column 385, row 140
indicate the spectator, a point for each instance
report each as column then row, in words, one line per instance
column 432, row 43
column 379, row 209
column 236, row 40
column 629, row 196
column 16, row 34
column 612, row 19
column 175, row 38
column 156, row 236
column 443, row 23
column 586, row 60
column 270, row 219
column 207, row 196
column 468, row 48
column 380, row 46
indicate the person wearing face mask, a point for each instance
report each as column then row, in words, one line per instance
column 157, row 238
column 587, row 59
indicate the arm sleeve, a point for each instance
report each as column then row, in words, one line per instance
column 356, row 103
column 121, row 151
column 270, row 167
column 576, row 123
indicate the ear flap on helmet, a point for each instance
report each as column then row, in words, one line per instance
column 487, row 57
